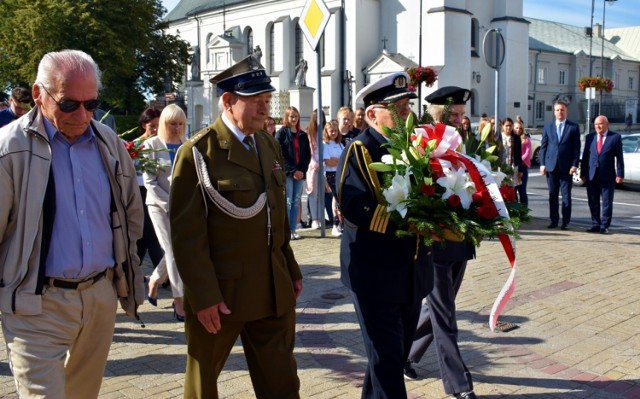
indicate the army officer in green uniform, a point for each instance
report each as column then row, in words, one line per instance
column 230, row 236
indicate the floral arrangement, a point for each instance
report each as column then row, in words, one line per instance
column 137, row 152
column 419, row 75
column 436, row 192
column 432, row 189
column 598, row 82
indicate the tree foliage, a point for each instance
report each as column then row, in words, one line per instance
column 126, row 38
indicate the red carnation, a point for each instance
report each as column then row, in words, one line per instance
column 487, row 211
column 481, row 197
column 508, row 193
column 454, row 201
column 429, row 191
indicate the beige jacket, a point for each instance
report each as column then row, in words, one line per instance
column 25, row 161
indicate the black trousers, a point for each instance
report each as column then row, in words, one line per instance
column 387, row 332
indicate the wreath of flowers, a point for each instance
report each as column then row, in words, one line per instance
column 437, row 192
column 598, row 82
column 418, row 75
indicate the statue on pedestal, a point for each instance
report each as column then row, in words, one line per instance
column 257, row 54
column 301, row 73
column 195, row 63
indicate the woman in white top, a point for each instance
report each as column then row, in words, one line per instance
column 171, row 134
column 331, row 155
column 148, row 123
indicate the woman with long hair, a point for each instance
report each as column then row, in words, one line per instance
column 148, row 123
column 511, row 150
column 297, row 155
column 518, row 129
column 315, row 213
column 270, row 126
column 171, row 135
column 331, row 155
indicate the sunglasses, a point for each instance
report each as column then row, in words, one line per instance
column 69, row 106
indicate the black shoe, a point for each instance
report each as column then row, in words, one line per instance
column 594, row 229
column 564, row 227
column 465, row 395
column 410, row 372
column 179, row 318
column 604, row 231
column 552, row 226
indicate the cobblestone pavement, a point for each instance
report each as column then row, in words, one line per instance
column 575, row 304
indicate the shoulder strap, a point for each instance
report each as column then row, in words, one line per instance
column 363, row 159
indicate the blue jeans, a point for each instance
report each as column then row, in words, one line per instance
column 294, row 192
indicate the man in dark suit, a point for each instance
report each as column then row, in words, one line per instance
column 230, row 236
column 602, row 167
column 388, row 276
column 438, row 314
column 559, row 157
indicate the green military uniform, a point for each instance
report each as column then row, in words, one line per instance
column 247, row 263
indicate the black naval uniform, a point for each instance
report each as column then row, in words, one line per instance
column 388, row 276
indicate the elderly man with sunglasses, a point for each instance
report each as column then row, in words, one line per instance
column 70, row 216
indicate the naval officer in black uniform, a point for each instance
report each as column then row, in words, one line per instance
column 438, row 314
column 388, row 276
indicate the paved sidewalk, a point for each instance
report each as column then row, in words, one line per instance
column 576, row 303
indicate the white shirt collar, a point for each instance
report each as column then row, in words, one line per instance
column 234, row 129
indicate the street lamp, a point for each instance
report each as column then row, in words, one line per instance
column 604, row 9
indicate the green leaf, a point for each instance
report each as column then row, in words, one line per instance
column 381, row 167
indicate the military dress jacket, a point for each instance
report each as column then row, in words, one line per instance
column 375, row 263
column 243, row 262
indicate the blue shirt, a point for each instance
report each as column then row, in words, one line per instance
column 173, row 148
column 82, row 238
column 7, row 116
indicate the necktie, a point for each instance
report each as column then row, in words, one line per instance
column 248, row 140
column 560, row 126
column 599, row 145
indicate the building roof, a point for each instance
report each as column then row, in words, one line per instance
column 627, row 39
column 562, row 38
column 187, row 8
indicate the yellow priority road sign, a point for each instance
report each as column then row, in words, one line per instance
column 314, row 18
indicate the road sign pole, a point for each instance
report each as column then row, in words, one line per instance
column 320, row 128
column 313, row 20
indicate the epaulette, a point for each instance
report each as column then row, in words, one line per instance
column 200, row 134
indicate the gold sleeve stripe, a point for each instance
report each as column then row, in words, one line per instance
column 374, row 219
column 380, row 220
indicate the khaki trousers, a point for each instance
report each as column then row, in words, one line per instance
column 268, row 347
column 62, row 352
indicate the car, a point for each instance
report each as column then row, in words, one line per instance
column 536, row 140
column 631, row 156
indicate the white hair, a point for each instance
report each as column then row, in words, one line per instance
column 54, row 64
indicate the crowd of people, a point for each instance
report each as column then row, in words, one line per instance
column 216, row 215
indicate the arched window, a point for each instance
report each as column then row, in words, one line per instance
column 299, row 54
column 208, row 55
column 475, row 33
column 249, row 39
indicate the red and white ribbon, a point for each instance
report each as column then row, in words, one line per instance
column 448, row 140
